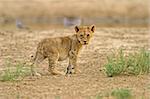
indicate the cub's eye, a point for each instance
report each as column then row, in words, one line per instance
column 81, row 35
column 88, row 35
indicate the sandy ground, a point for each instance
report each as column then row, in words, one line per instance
column 18, row 46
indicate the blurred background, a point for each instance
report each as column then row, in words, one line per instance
column 26, row 14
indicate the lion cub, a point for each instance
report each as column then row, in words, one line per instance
column 61, row 48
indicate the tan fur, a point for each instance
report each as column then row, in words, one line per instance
column 61, row 48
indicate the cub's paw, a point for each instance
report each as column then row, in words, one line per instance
column 69, row 70
column 56, row 72
column 73, row 71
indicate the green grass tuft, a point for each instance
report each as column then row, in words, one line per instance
column 137, row 63
column 99, row 97
column 15, row 74
column 121, row 93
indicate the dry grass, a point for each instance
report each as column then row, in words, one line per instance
column 84, row 8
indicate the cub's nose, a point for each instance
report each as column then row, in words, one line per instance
column 85, row 42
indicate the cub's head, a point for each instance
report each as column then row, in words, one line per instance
column 84, row 33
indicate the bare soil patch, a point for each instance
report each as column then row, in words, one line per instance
column 18, row 46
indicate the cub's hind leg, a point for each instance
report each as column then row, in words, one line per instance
column 53, row 60
column 37, row 60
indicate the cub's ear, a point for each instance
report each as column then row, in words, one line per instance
column 93, row 28
column 76, row 28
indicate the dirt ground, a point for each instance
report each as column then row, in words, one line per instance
column 18, row 46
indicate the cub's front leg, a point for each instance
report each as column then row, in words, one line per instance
column 72, row 67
